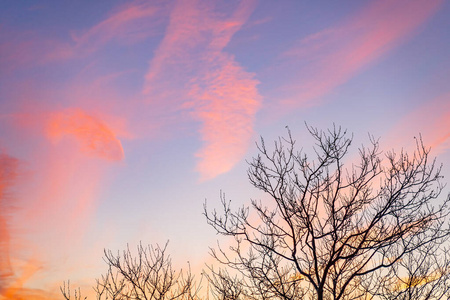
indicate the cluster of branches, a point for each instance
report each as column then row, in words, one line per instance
column 371, row 231
column 329, row 229
column 148, row 275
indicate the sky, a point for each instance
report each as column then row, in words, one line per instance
column 119, row 119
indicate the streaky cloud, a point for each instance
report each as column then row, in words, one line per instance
column 8, row 176
column 327, row 59
column 190, row 73
column 127, row 24
column 60, row 178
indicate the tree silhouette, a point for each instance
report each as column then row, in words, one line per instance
column 148, row 275
column 67, row 294
column 375, row 229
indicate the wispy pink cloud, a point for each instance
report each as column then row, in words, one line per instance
column 329, row 58
column 227, row 108
column 127, row 24
column 8, row 175
column 190, row 72
column 12, row 275
column 130, row 23
column 94, row 136
column 17, row 49
column 58, row 195
column 431, row 119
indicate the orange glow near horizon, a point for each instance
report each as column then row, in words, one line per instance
column 8, row 175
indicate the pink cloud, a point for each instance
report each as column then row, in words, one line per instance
column 226, row 107
column 128, row 24
column 8, row 175
column 93, row 135
column 327, row 59
column 12, row 275
column 431, row 120
column 190, row 72
column 57, row 197
column 16, row 49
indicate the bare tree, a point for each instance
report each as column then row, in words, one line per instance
column 147, row 275
column 67, row 294
column 424, row 274
column 374, row 230
column 225, row 287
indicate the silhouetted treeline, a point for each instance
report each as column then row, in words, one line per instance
column 334, row 229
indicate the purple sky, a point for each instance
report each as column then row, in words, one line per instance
column 119, row 118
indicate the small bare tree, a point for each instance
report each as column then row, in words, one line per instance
column 374, row 230
column 147, row 275
column 67, row 294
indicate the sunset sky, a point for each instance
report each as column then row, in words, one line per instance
column 119, row 118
